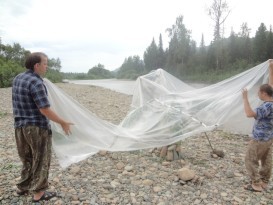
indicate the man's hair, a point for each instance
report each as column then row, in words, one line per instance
column 267, row 89
column 34, row 58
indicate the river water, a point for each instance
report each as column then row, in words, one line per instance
column 122, row 86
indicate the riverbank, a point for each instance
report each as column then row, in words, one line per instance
column 138, row 177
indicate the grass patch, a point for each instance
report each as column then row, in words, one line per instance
column 2, row 114
column 9, row 166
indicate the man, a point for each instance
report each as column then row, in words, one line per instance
column 260, row 147
column 32, row 112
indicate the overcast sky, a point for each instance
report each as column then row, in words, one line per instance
column 83, row 33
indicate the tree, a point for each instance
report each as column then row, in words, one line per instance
column 269, row 44
column 131, row 68
column 245, row 31
column 8, row 70
column 161, row 54
column 150, row 57
column 172, row 55
column 99, row 72
column 1, row 46
column 201, row 54
column 54, row 68
column 179, row 46
column 233, row 48
column 154, row 56
column 54, row 64
column 15, row 53
column 12, row 62
column 218, row 12
column 260, row 44
column 202, row 43
column 246, row 46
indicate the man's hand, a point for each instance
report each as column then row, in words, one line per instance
column 50, row 114
column 66, row 127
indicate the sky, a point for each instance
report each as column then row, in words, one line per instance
column 84, row 33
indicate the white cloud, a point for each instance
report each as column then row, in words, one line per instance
column 84, row 33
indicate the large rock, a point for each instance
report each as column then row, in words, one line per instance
column 185, row 174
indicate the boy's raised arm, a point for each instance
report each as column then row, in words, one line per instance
column 270, row 72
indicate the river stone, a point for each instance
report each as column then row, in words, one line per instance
column 185, row 174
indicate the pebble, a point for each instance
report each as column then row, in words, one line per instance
column 135, row 177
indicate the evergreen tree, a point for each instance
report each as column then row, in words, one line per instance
column 202, row 44
column 269, row 44
column 172, row 60
column 151, row 57
column 131, row 68
column 246, row 45
column 245, row 31
column 260, row 44
column 200, row 58
column 161, row 54
column 180, row 46
column 233, row 49
column 211, row 57
column 1, row 47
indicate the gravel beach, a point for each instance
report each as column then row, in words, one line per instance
column 136, row 177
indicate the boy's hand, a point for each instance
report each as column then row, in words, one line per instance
column 270, row 82
column 244, row 93
column 271, row 64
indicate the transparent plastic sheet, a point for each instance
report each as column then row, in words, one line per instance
column 164, row 110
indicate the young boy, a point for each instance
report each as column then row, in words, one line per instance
column 260, row 146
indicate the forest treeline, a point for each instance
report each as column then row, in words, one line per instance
column 224, row 57
column 182, row 57
column 12, row 59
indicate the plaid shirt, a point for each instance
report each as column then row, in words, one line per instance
column 29, row 94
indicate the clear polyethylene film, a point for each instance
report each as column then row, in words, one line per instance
column 164, row 110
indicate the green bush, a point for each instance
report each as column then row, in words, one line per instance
column 8, row 70
column 54, row 76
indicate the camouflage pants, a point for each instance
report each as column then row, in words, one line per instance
column 258, row 160
column 34, row 149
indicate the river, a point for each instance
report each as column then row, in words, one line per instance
column 122, row 86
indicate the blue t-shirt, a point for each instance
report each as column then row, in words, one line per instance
column 263, row 125
column 29, row 94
